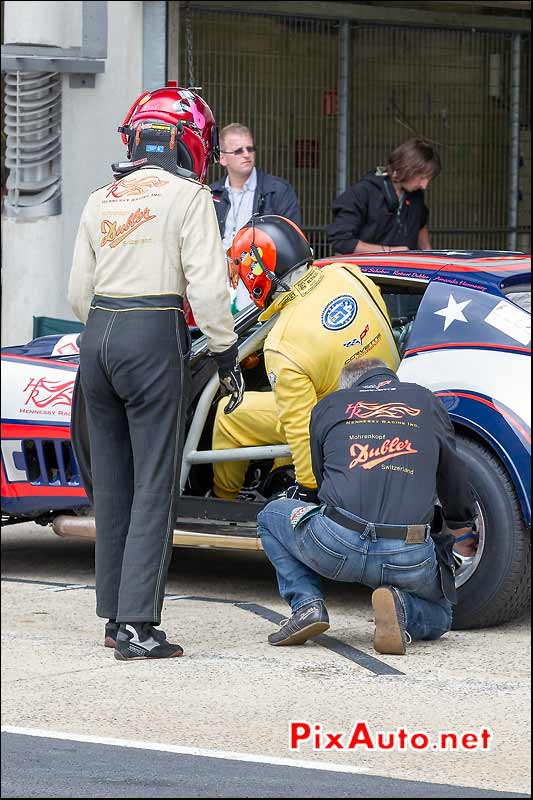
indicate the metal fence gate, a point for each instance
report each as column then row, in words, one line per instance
column 279, row 75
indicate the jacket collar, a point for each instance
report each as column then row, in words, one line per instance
column 311, row 278
column 265, row 184
column 372, row 374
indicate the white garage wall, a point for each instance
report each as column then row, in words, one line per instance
column 37, row 254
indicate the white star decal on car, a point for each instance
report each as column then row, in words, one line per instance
column 453, row 311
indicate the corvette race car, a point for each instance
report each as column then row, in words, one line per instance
column 463, row 327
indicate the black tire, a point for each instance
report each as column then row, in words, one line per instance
column 499, row 589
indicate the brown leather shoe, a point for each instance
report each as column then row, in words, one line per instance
column 390, row 637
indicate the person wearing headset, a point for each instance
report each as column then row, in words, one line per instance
column 326, row 318
column 143, row 241
column 246, row 190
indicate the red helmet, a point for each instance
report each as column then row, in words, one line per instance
column 265, row 250
column 195, row 133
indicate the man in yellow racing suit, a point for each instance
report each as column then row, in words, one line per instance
column 328, row 317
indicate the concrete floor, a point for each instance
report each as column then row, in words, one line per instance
column 232, row 691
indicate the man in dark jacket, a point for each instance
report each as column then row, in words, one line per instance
column 245, row 191
column 385, row 210
column 382, row 451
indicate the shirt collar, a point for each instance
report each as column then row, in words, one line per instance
column 249, row 186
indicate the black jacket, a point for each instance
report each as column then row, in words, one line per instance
column 272, row 196
column 385, row 449
column 370, row 211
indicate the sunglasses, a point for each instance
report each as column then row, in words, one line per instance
column 239, row 151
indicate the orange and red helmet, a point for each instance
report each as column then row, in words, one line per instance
column 264, row 251
column 177, row 116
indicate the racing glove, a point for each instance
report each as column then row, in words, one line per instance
column 304, row 493
column 230, row 376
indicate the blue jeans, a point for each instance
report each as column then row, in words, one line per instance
column 320, row 546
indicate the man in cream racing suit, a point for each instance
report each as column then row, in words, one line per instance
column 328, row 317
column 143, row 241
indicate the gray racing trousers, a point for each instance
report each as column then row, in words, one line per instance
column 135, row 380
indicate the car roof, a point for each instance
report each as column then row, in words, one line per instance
column 492, row 268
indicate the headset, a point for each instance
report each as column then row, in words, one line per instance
column 276, row 282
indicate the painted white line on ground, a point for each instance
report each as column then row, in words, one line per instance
column 67, row 588
column 177, row 596
column 189, row 751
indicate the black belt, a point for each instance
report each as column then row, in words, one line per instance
column 150, row 302
column 413, row 534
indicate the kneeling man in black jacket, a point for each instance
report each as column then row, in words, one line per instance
column 382, row 452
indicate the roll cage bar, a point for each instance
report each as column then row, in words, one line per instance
column 191, row 454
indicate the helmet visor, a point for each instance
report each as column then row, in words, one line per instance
column 233, row 269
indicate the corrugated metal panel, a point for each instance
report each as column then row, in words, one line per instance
column 438, row 84
column 33, row 152
column 524, row 196
column 279, row 76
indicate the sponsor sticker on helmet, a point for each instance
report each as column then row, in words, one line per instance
column 249, row 259
column 339, row 313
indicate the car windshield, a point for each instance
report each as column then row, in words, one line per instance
column 402, row 304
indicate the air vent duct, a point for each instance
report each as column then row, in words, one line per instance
column 33, row 151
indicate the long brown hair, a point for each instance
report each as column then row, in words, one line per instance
column 413, row 159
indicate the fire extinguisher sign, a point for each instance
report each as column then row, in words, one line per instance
column 330, row 103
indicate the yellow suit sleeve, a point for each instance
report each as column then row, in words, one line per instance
column 295, row 397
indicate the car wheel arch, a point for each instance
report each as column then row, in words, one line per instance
column 498, row 587
column 478, row 435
